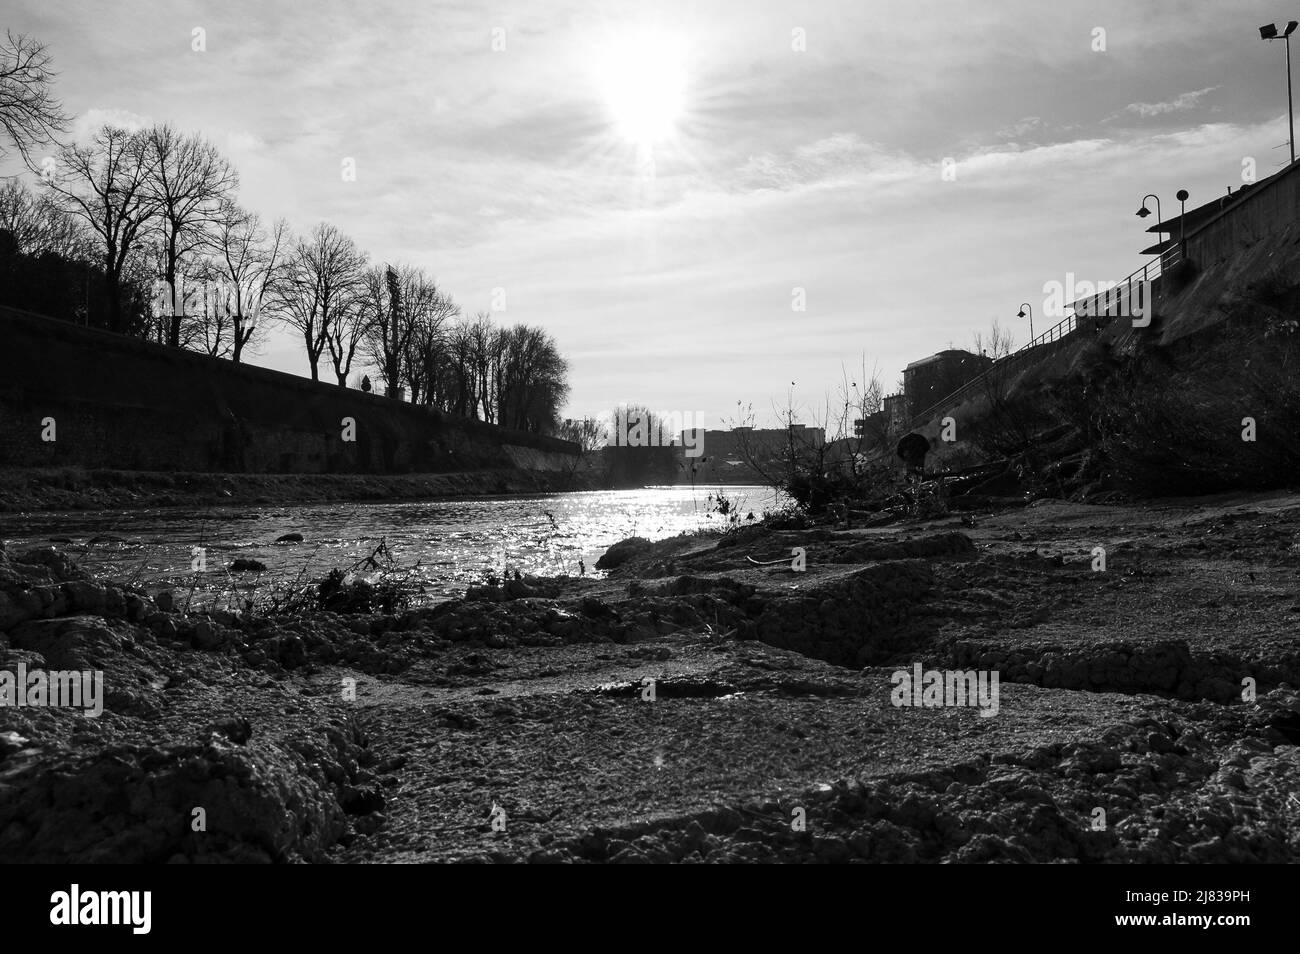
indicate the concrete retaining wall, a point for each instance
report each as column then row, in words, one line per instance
column 128, row 404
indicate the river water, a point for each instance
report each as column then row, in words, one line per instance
column 441, row 546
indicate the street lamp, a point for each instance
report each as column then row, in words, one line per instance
column 1269, row 32
column 1143, row 212
column 1025, row 306
column 1182, row 219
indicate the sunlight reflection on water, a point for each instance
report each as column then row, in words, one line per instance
column 446, row 544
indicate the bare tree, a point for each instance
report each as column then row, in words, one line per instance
column 208, row 324
column 248, row 259
column 996, row 345
column 386, row 340
column 406, row 314
column 38, row 225
column 188, row 182
column 532, row 385
column 862, row 400
column 427, row 311
column 461, row 389
column 29, row 111
column 486, row 347
column 322, row 278
column 589, row 433
column 104, row 184
column 346, row 331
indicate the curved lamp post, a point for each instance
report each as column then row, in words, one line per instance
column 1143, row 212
column 1025, row 306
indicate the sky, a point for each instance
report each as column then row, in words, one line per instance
column 709, row 204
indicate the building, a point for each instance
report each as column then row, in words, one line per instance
column 894, row 409
column 929, row 380
column 742, row 443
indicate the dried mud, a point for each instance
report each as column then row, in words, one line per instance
column 516, row 725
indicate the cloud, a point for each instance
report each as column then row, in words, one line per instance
column 1179, row 104
column 1021, row 128
column 241, row 140
column 823, row 161
column 818, row 168
column 92, row 120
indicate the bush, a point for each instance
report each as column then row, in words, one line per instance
column 1182, row 429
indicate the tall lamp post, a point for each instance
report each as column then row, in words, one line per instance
column 1182, row 197
column 1143, row 212
column 1025, row 306
column 1269, row 32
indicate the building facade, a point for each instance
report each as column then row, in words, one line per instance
column 929, row 380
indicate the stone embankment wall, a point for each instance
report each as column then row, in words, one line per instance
column 127, row 404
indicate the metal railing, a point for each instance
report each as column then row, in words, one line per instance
column 1112, row 300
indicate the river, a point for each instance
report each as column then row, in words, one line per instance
column 440, row 546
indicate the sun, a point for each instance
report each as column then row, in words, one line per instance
column 643, row 80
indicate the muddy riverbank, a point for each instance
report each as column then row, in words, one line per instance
column 694, row 706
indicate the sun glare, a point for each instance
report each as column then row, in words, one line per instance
column 643, row 81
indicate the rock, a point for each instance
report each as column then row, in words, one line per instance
column 235, row 728
column 562, row 627
column 289, row 538
column 621, row 552
column 165, row 601
column 206, row 636
column 597, row 608
column 16, row 609
column 292, row 652
column 518, row 589
column 131, row 804
column 86, row 597
column 246, row 565
column 136, row 608
column 71, row 642
column 10, row 742
column 56, row 566
column 361, row 800
column 369, row 824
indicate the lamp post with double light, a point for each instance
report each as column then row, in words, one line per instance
column 1269, row 32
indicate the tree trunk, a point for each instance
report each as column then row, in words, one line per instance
column 114, row 304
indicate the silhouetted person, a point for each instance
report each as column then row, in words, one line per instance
column 365, row 383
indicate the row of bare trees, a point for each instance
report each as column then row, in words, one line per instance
column 157, row 208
